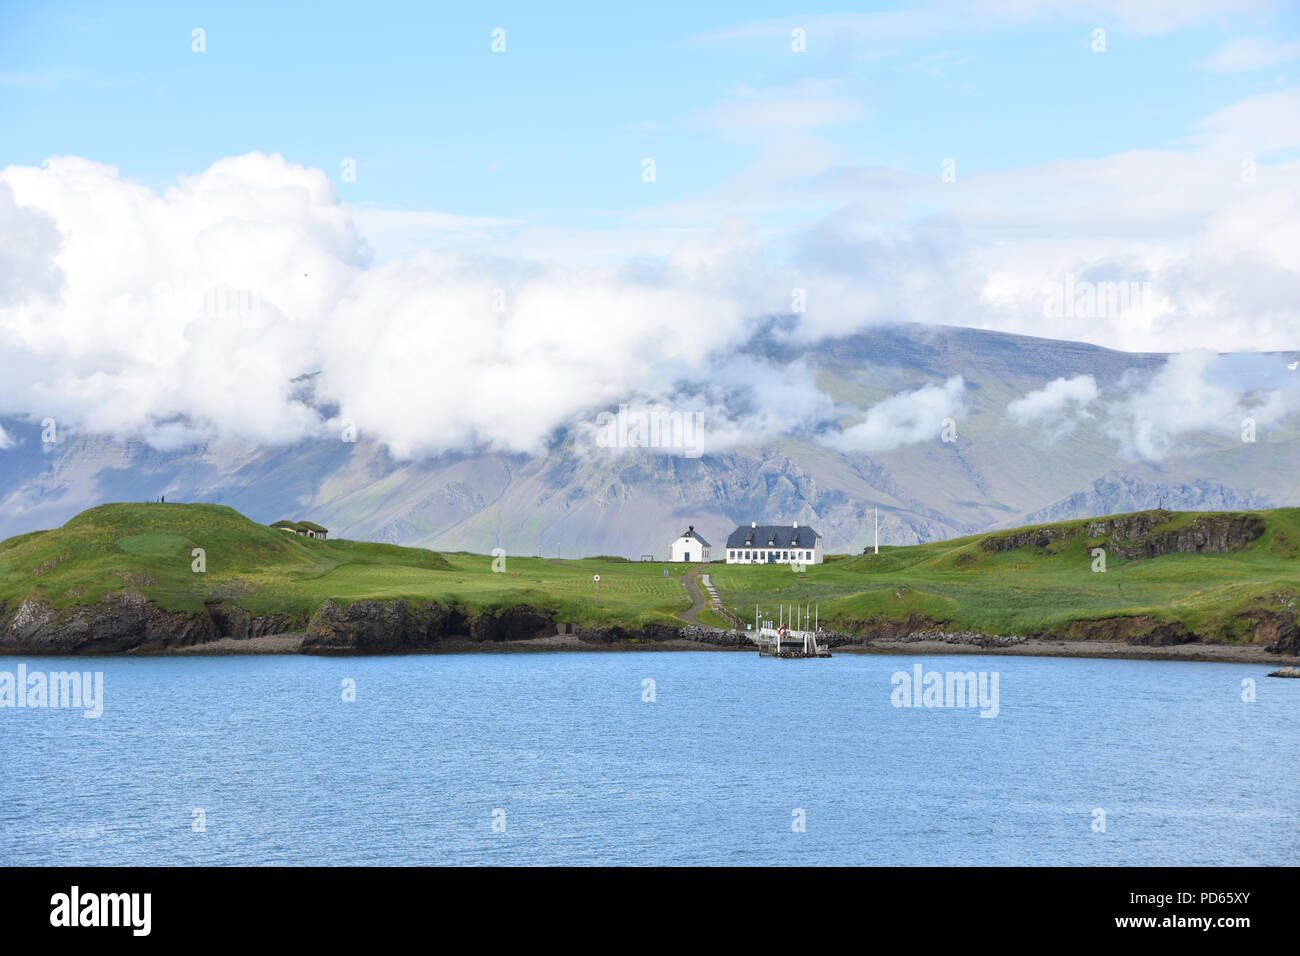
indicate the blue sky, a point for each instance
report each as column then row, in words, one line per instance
column 557, row 126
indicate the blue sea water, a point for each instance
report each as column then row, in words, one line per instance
column 563, row 749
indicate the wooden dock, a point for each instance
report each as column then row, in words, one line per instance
column 789, row 636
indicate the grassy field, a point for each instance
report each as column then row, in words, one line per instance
column 1032, row 590
column 149, row 546
column 959, row 584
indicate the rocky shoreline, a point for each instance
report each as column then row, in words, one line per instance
column 126, row 622
column 919, row 645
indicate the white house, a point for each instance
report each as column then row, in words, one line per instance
column 689, row 547
column 774, row 544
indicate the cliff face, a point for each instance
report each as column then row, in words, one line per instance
column 394, row 626
column 1136, row 536
column 390, row 627
column 125, row 621
column 1278, row 630
column 128, row 621
column 1037, row 537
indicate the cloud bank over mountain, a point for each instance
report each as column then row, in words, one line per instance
column 188, row 314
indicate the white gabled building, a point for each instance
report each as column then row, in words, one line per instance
column 774, row 544
column 689, row 546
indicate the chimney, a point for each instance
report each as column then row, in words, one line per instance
column 753, row 524
column 796, row 526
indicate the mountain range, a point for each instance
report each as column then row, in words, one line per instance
column 569, row 499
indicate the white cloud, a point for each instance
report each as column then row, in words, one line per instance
column 805, row 105
column 1055, row 401
column 416, row 355
column 903, row 419
column 405, row 232
column 188, row 314
column 134, row 336
column 1196, row 393
column 1150, row 16
column 1217, row 249
column 28, row 241
column 1253, row 53
column 1251, row 127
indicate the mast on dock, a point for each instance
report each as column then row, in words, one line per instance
column 793, row 634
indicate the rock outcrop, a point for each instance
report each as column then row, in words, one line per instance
column 648, row 633
column 1135, row 536
column 1278, row 629
column 239, row 623
column 121, row 621
column 126, row 620
column 1037, row 537
column 373, row 627
column 399, row 626
column 1140, row 535
column 520, row 622
column 1138, row 629
column 716, row 636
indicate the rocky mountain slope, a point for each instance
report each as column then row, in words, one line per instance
column 574, row 500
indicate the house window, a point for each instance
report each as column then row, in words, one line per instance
column 807, row 555
column 785, row 555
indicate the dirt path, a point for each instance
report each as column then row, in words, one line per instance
column 701, row 598
column 696, row 593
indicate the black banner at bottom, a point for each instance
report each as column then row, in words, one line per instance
column 339, row 904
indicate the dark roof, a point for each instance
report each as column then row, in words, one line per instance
column 692, row 533
column 782, row 536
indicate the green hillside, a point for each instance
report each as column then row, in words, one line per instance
column 265, row 570
column 1049, row 587
column 1036, row 581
